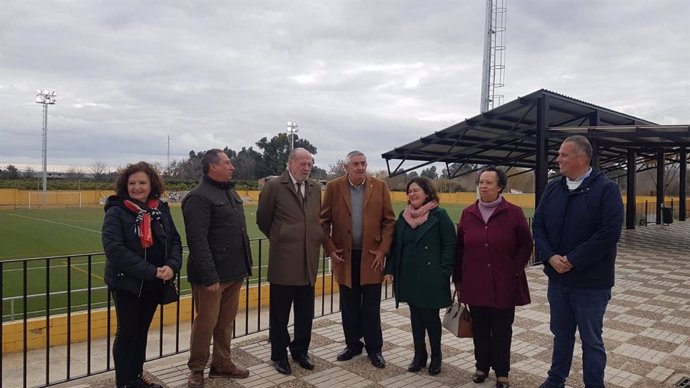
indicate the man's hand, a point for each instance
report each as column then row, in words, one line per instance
column 336, row 255
column 379, row 255
column 560, row 263
column 387, row 279
column 213, row 287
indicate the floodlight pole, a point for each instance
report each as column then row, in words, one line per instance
column 45, row 97
column 292, row 129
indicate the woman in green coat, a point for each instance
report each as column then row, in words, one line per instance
column 419, row 265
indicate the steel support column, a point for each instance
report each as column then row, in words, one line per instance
column 630, row 216
column 594, row 121
column 542, row 152
column 683, row 194
column 659, row 185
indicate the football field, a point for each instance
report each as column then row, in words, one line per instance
column 74, row 236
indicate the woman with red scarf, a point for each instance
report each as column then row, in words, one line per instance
column 143, row 250
column 419, row 264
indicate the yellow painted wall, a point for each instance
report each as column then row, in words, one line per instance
column 13, row 337
column 13, row 198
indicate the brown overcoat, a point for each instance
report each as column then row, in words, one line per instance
column 378, row 225
column 292, row 228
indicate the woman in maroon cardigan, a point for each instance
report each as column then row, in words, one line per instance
column 494, row 245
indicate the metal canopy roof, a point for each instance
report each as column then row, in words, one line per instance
column 507, row 135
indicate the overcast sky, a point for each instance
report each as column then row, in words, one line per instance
column 355, row 74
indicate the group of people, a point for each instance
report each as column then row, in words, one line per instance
column 576, row 228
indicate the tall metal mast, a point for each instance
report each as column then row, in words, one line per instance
column 493, row 65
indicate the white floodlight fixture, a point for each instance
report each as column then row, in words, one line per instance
column 292, row 129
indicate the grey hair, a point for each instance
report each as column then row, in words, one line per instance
column 352, row 154
column 582, row 145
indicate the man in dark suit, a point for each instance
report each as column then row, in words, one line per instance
column 358, row 220
column 219, row 261
column 288, row 214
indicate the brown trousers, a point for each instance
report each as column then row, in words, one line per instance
column 215, row 317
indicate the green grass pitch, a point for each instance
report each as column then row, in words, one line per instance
column 77, row 233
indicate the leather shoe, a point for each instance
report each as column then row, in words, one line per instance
column 196, row 380
column 305, row 362
column 418, row 362
column 502, row 385
column 479, row 378
column 234, row 372
column 283, row 366
column 347, row 354
column 377, row 360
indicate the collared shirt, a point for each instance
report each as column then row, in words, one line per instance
column 359, row 185
column 575, row 183
column 298, row 186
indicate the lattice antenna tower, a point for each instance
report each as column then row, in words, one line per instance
column 494, row 65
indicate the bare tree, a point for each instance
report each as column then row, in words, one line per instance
column 99, row 170
column 75, row 172
column 336, row 169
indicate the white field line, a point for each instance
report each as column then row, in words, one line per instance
column 54, row 222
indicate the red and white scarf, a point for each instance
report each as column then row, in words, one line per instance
column 143, row 226
column 416, row 217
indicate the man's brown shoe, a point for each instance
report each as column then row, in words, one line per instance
column 196, row 379
column 234, row 372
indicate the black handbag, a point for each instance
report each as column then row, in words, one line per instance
column 169, row 292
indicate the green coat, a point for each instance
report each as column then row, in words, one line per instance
column 427, row 282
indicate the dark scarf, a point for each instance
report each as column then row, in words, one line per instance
column 143, row 227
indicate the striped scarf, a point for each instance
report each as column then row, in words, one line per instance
column 143, row 223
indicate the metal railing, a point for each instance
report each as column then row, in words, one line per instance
column 35, row 292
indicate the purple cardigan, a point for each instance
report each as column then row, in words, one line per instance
column 491, row 257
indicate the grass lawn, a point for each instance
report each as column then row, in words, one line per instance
column 77, row 233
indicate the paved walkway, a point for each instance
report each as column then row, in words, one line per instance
column 646, row 334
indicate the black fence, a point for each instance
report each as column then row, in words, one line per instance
column 35, row 292
column 648, row 213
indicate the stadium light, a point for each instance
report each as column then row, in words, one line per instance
column 45, row 97
column 292, row 129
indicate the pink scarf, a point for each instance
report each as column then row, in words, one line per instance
column 416, row 217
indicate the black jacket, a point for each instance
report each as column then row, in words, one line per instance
column 126, row 268
column 216, row 234
column 584, row 225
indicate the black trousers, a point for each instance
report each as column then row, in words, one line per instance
column 426, row 321
column 282, row 299
column 134, row 315
column 492, row 330
column 360, row 307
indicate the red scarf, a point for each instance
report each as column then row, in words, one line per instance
column 143, row 228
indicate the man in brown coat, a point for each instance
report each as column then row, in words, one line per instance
column 358, row 220
column 288, row 214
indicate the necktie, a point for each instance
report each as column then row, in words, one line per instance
column 299, row 190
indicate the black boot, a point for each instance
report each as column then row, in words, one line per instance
column 418, row 362
column 435, row 365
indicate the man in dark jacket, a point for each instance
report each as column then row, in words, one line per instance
column 288, row 214
column 576, row 228
column 219, row 261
